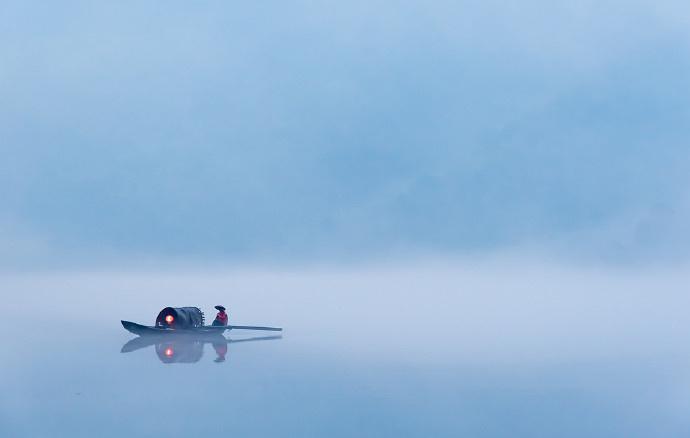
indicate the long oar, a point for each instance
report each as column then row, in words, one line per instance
column 253, row 327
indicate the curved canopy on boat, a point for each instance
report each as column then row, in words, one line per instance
column 180, row 317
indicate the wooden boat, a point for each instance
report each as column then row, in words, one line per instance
column 208, row 330
column 185, row 321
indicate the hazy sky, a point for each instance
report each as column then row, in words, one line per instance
column 303, row 129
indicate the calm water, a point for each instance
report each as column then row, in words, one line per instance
column 438, row 351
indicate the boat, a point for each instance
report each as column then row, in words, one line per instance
column 185, row 321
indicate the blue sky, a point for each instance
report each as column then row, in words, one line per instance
column 309, row 129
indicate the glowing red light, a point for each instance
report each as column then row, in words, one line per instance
column 169, row 319
column 169, row 352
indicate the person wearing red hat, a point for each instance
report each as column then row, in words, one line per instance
column 221, row 317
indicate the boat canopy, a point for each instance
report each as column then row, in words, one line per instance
column 180, row 317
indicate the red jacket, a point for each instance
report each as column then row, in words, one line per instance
column 222, row 318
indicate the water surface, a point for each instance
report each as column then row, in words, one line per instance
column 446, row 350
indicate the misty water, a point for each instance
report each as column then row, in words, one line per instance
column 439, row 349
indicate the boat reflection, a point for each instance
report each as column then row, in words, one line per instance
column 187, row 349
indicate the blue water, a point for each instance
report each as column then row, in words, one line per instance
column 616, row 375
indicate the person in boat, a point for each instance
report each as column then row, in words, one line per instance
column 221, row 317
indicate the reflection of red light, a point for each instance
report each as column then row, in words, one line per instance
column 169, row 352
column 169, row 319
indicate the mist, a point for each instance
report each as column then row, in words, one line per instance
column 279, row 132
column 468, row 218
column 520, row 309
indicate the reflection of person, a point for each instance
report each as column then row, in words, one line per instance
column 221, row 317
column 221, row 350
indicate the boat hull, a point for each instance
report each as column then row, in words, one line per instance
column 144, row 330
